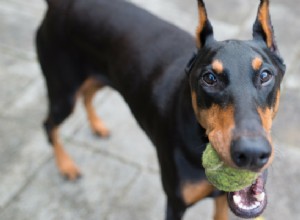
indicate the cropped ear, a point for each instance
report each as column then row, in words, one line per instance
column 262, row 28
column 204, row 30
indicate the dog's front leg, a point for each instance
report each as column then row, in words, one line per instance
column 175, row 209
column 221, row 208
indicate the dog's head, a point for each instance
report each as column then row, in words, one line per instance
column 235, row 87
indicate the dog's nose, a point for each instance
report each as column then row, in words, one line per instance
column 251, row 153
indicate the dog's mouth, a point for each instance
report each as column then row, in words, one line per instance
column 251, row 201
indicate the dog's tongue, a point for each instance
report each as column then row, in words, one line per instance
column 249, row 202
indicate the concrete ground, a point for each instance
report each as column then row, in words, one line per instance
column 121, row 176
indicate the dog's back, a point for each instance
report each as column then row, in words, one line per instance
column 85, row 45
column 125, row 48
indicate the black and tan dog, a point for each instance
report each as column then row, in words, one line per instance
column 227, row 95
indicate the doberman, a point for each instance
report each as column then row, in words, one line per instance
column 226, row 94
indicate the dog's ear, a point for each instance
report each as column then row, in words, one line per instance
column 204, row 31
column 262, row 28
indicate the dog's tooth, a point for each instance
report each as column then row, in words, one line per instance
column 253, row 206
column 240, row 205
column 257, row 204
column 260, row 197
column 245, row 207
column 237, row 199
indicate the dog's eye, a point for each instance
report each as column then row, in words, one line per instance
column 265, row 76
column 209, row 78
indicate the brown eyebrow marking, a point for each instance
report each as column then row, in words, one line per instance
column 257, row 63
column 217, row 66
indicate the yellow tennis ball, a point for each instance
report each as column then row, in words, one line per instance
column 223, row 177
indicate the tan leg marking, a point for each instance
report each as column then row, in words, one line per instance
column 64, row 162
column 193, row 192
column 89, row 90
column 221, row 208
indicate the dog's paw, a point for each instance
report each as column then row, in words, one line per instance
column 71, row 172
column 68, row 169
column 99, row 129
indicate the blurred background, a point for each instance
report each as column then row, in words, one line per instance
column 120, row 174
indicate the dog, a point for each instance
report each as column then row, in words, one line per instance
column 184, row 92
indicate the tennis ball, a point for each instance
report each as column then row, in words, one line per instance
column 223, row 177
